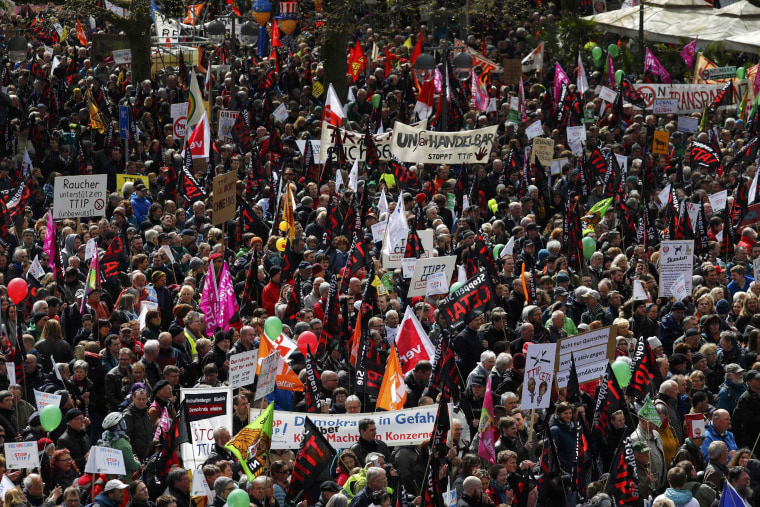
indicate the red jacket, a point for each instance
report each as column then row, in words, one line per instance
column 269, row 297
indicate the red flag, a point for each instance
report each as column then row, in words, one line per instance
column 387, row 62
column 193, row 13
column 417, row 51
column 412, row 342
column 276, row 42
column 81, row 34
column 357, row 62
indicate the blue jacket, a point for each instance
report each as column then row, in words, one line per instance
column 103, row 500
column 733, row 288
column 728, row 396
column 140, row 206
column 565, row 439
column 670, row 330
column 711, row 436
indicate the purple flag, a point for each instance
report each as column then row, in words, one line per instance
column 610, row 71
column 227, row 301
column 560, row 78
column 50, row 243
column 651, row 62
column 756, row 82
column 687, row 53
column 486, row 448
column 209, row 304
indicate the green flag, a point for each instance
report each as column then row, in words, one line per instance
column 595, row 215
column 649, row 413
column 251, row 445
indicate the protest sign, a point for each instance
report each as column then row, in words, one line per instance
column 694, row 425
column 756, row 266
column 751, row 216
column 200, row 486
column 411, row 144
column 44, row 399
column 688, row 124
column 225, row 197
column 284, row 345
column 592, row 352
column 315, row 149
column 179, row 110
column 242, row 368
column 21, row 455
column 407, row 267
column 677, row 258
column 607, row 94
column 121, row 179
column 512, row 71
column 691, row 98
column 437, row 284
column 557, row 164
column 378, row 231
column 5, row 485
column 10, row 370
column 543, row 149
column 426, row 267
column 678, row 289
column 661, row 140
column 639, row 294
column 665, row 106
column 281, row 113
column 268, row 375
column 534, row 130
column 393, row 260
column 476, row 296
column 225, row 123
column 207, row 408
column 718, row 200
column 719, row 73
column 577, row 133
column 105, row 460
column 399, row 427
column 539, row 372
column 353, row 143
column 80, row 196
column 122, row 56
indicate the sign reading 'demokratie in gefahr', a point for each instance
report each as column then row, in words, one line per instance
column 80, row 196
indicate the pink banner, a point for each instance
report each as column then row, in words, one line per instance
column 209, row 304
column 227, row 301
column 610, row 71
column 486, row 448
column 652, row 63
column 560, row 78
column 479, row 93
column 49, row 246
column 687, row 53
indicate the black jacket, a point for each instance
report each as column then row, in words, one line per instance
column 362, row 447
column 745, row 422
column 139, row 430
column 78, row 444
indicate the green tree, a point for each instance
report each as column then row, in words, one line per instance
column 334, row 42
column 136, row 26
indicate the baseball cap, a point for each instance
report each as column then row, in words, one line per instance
column 640, row 446
column 114, row 484
column 734, row 368
column 751, row 375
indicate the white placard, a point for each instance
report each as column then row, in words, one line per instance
column 36, row 268
column 243, row 368
column 426, row 267
column 44, row 399
column 591, row 355
column 11, row 369
column 698, row 428
column 688, row 124
column 80, row 196
column 607, row 94
column 5, row 485
column 122, row 56
column 378, row 231
column 226, row 122
column 534, row 130
column 677, row 259
column 284, row 345
column 678, row 289
column 578, row 133
column 514, row 103
column 639, row 294
column 393, row 260
column 281, row 113
column 200, row 486
column 664, row 196
column 539, row 374
column 557, row 164
column 207, row 409
column 168, row 251
column 105, row 460
column 407, row 266
column 756, row 266
column 665, row 106
column 437, row 284
column 21, row 455
column 693, row 210
column 718, row 200
column 449, row 498
column 90, row 250
column 268, row 375
column 622, row 161
column 179, row 110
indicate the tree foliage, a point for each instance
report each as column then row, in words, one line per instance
column 567, row 36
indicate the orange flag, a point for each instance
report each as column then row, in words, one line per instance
column 287, row 380
column 193, row 13
column 81, row 34
column 356, row 339
column 393, row 389
column 276, row 42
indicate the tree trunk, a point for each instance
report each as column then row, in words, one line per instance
column 139, row 42
column 336, row 67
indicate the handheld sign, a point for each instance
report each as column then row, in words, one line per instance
column 80, row 196
column 20, row 455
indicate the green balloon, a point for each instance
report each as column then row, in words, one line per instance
column 741, row 73
column 376, row 100
column 589, row 247
column 613, row 50
column 455, row 287
column 497, row 250
column 622, row 373
column 50, row 417
column 619, row 75
column 596, row 53
column 238, row 498
column 273, row 328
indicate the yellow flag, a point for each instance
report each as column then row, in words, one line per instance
column 96, row 118
column 408, row 42
column 393, row 390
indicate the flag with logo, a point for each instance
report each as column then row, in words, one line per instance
column 413, row 342
column 534, row 61
column 687, row 53
column 393, row 389
column 623, row 484
column 314, row 455
column 251, row 445
column 486, row 427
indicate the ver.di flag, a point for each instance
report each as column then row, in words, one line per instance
column 251, row 445
column 486, row 448
column 652, row 63
column 393, row 389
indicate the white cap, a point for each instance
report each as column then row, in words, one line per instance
column 114, row 484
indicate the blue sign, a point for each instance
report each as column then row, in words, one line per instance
column 124, row 122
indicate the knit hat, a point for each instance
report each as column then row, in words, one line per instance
column 181, row 310
column 195, row 263
column 73, row 414
column 159, row 385
column 722, row 307
column 518, row 362
column 43, row 443
column 120, row 211
column 157, row 275
column 38, row 316
column 220, row 484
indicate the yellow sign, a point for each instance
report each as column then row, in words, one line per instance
column 543, row 149
column 317, row 89
column 661, row 140
column 224, row 197
column 123, row 178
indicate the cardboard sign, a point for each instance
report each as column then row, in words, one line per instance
column 677, row 259
column 122, row 56
column 661, row 140
column 80, row 196
column 268, row 375
column 665, row 106
column 44, row 399
column 539, row 375
column 225, row 197
column 121, row 179
column 243, row 368
column 225, row 123
column 534, row 130
column 543, row 150
column 688, row 124
column 426, row 267
column 512, row 71
column 21, row 455
column 592, row 352
column 756, row 267
column 557, row 165
column 607, row 94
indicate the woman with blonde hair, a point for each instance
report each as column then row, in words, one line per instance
column 15, row 497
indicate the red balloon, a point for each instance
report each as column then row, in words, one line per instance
column 17, row 290
column 307, row 339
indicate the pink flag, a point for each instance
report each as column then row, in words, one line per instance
column 756, row 82
column 227, row 301
column 560, row 78
column 479, row 93
column 50, row 244
column 652, row 63
column 486, row 448
column 209, row 304
column 687, row 53
column 523, row 106
column 610, row 71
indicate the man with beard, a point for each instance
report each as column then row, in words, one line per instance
column 739, row 479
column 472, row 492
column 746, row 418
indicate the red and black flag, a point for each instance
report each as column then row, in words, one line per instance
column 192, row 190
column 608, row 400
column 332, row 226
column 289, row 262
column 445, row 378
column 250, row 222
column 643, row 369
column 314, row 455
column 629, row 223
column 741, row 199
column 549, row 467
column 357, row 259
column 597, row 165
column 295, row 302
column 5, row 223
column 71, row 74
column 586, row 469
column 748, row 152
column 251, row 278
column 414, row 247
column 725, row 97
column 612, row 177
column 311, row 172
column 684, row 230
column 36, row 69
column 673, row 211
column 573, row 385
column 438, row 448
column 170, row 443
column 340, row 152
column 327, row 169
column 331, row 324
column 563, row 109
column 729, row 235
column 404, row 177
column 370, row 368
column 485, row 256
column 572, row 235
column 623, row 483
column 646, row 233
column 313, row 384
column 241, row 136
column 631, row 95
column 114, row 256
column 702, row 241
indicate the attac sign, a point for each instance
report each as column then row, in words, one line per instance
column 80, row 196
column 476, row 295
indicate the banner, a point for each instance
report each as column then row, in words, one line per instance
column 401, row 427
column 353, row 143
column 207, row 409
column 539, row 372
column 424, row 146
column 123, row 178
column 476, row 295
column 677, row 259
column 692, row 98
column 423, row 268
column 105, row 460
column 21, row 455
column 593, row 351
